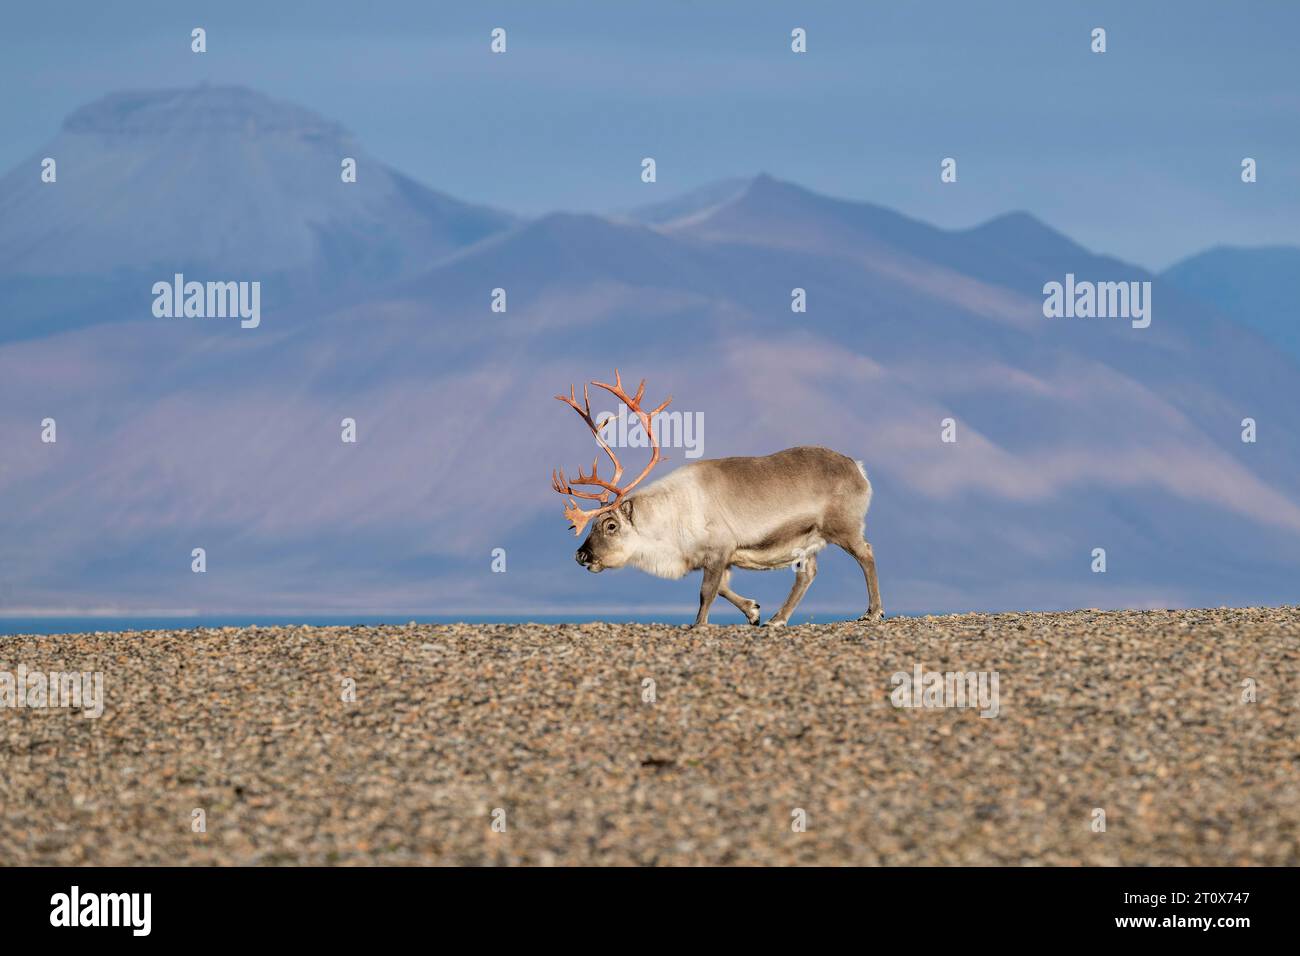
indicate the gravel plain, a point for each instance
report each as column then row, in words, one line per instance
column 1143, row 715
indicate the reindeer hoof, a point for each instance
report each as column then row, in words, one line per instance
column 775, row 622
column 753, row 616
column 877, row 615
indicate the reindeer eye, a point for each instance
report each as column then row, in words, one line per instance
column 611, row 527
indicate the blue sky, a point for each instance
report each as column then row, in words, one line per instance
column 1135, row 152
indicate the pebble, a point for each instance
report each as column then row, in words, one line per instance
column 549, row 732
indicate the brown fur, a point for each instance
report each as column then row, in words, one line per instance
column 758, row 513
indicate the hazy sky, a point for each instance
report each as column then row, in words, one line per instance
column 1135, row 152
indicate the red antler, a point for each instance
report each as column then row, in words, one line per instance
column 577, row 517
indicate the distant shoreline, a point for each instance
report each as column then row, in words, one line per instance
column 110, row 624
column 89, row 624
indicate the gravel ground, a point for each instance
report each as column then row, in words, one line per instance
column 1139, row 714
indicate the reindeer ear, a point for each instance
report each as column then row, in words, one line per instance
column 626, row 509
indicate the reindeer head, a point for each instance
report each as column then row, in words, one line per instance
column 612, row 538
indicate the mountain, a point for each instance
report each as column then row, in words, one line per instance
column 1259, row 287
column 785, row 216
column 690, row 203
column 217, row 182
column 1072, row 434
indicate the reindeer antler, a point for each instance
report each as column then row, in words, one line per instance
column 634, row 404
column 577, row 517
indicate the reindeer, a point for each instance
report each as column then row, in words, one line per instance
column 776, row 511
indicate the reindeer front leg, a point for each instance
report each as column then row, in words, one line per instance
column 713, row 575
column 743, row 604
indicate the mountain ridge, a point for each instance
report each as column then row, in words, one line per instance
column 178, row 433
column 232, row 184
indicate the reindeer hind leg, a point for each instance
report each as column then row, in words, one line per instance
column 858, row 546
column 805, row 571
